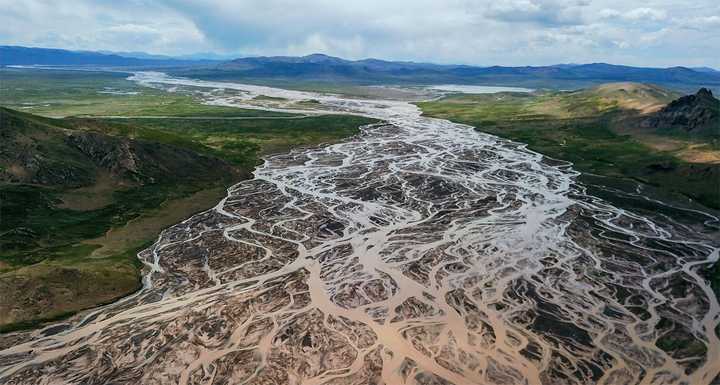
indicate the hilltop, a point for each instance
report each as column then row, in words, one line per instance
column 697, row 114
column 644, row 98
column 49, row 152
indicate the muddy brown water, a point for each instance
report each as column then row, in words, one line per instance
column 418, row 252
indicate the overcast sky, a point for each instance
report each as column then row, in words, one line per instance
column 483, row 32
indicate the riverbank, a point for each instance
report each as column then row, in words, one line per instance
column 70, row 243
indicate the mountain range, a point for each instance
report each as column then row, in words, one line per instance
column 318, row 67
column 324, row 68
column 17, row 55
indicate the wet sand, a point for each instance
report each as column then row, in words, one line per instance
column 418, row 252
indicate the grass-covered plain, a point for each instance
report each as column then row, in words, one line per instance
column 61, row 93
column 241, row 141
column 69, row 241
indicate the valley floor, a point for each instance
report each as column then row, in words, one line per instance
column 68, row 245
column 598, row 131
column 418, row 252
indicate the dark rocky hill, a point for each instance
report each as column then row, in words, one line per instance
column 697, row 114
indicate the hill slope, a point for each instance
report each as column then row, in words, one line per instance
column 47, row 152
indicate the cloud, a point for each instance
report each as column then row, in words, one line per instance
column 646, row 14
column 637, row 14
column 484, row 32
column 702, row 23
column 541, row 12
column 97, row 25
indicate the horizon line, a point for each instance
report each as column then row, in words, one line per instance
column 185, row 58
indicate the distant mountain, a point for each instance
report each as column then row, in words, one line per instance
column 705, row 69
column 134, row 54
column 207, row 57
column 324, row 68
column 16, row 55
column 319, row 67
column 697, row 114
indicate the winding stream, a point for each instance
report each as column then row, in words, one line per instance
column 418, row 252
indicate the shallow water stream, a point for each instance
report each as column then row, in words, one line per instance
column 418, row 252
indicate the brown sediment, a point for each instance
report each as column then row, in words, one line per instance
column 420, row 252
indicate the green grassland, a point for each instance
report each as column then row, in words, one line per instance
column 241, row 140
column 69, row 237
column 61, row 93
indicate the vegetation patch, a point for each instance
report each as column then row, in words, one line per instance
column 242, row 141
column 58, row 93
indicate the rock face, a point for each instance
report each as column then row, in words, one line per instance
column 697, row 114
column 144, row 161
column 115, row 155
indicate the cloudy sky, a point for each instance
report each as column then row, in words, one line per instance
column 482, row 32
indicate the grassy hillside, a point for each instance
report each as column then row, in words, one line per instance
column 61, row 186
column 593, row 129
column 238, row 140
column 79, row 197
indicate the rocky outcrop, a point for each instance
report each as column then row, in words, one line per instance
column 112, row 154
column 697, row 114
column 146, row 162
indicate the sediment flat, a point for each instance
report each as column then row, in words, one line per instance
column 418, row 252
